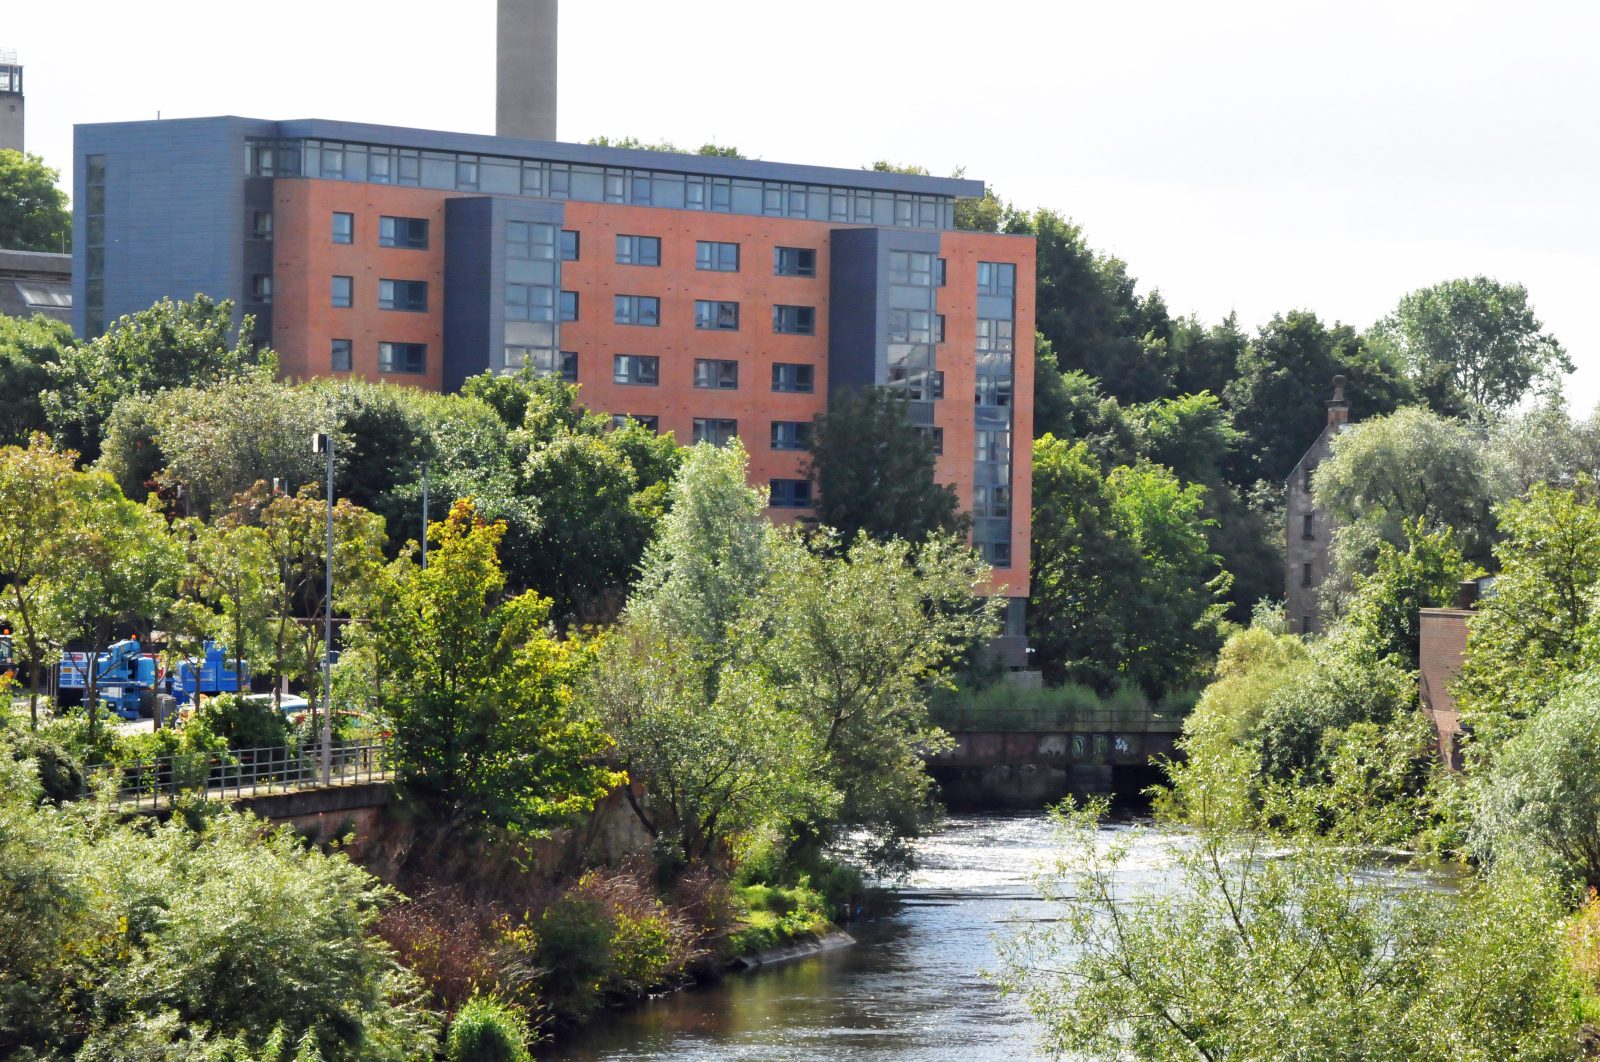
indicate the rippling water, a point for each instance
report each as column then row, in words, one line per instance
column 911, row 989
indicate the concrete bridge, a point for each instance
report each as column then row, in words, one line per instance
column 1026, row 757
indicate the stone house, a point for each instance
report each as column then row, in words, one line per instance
column 1308, row 530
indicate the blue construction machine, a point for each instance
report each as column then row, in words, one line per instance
column 125, row 678
column 213, row 673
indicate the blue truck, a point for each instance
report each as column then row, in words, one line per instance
column 126, row 678
column 213, row 673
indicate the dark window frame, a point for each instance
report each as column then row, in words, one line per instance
column 346, row 235
column 394, row 348
column 716, row 374
column 406, row 233
column 789, row 320
column 403, row 299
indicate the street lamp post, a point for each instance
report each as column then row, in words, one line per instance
column 323, row 444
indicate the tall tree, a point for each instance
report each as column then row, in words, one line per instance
column 122, row 575
column 33, row 211
column 1472, row 346
column 485, row 730
column 41, row 495
column 874, row 472
column 1285, row 377
column 28, row 347
column 1096, row 322
column 171, row 344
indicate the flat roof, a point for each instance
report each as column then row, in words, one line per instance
column 591, row 155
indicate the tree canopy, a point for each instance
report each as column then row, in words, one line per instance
column 33, row 211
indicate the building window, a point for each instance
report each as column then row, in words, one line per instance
column 998, row 554
column 794, row 320
column 941, row 271
column 261, row 287
column 408, row 295
column 997, row 278
column 994, row 391
column 647, row 421
column 794, row 262
column 911, row 267
column 343, row 292
column 791, row 435
column 938, row 328
column 995, row 335
column 403, row 232
column 716, row 257
column 1305, row 477
column 637, row 369
column 935, row 437
column 639, row 250
column 716, row 375
column 569, row 245
column 1308, row 525
column 569, row 366
column 344, row 228
column 339, row 357
column 1305, row 624
column 1305, row 574
column 530, row 240
column 569, row 305
column 261, row 224
column 635, row 310
column 717, row 316
column 910, row 326
column 403, row 357
column 530, row 302
column 790, row 493
column 992, row 502
column 992, row 446
column 717, row 431
column 796, row 379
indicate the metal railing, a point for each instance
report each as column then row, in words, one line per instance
column 1058, row 720
column 239, row 773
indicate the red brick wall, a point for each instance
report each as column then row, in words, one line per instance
column 1443, row 647
column 305, row 259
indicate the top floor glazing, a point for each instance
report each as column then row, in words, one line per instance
column 597, row 182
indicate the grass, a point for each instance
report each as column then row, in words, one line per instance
column 771, row 915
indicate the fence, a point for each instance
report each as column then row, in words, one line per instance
column 1059, row 720
column 239, row 773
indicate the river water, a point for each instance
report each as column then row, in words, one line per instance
column 913, row 987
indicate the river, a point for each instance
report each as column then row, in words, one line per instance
column 913, row 988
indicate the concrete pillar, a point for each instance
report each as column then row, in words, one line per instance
column 525, row 96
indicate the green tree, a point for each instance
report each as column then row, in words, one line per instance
column 1412, row 465
column 1285, row 376
column 33, row 211
column 1534, row 629
column 710, row 744
column 634, row 143
column 1089, row 311
column 232, row 570
column 171, row 344
column 41, row 496
column 201, row 446
column 1538, row 803
column 1543, row 444
column 1473, row 346
column 28, row 347
column 485, row 734
column 1356, row 969
column 1206, row 359
column 123, row 573
column 875, row 473
column 852, row 642
column 1384, row 612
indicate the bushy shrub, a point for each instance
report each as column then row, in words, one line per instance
column 447, row 940
column 60, row 774
column 242, row 724
column 488, row 1030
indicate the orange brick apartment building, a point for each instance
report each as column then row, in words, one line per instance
column 705, row 296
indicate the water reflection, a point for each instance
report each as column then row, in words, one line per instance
column 911, row 989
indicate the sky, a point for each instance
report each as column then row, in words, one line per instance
column 1239, row 156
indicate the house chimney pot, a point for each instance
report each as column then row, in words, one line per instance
column 1338, row 406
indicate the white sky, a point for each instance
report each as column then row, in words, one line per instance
column 1238, row 155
